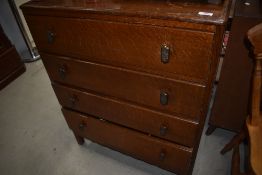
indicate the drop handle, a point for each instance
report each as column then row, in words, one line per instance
column 163, row 130
column 165, row 53
column 72, row 101
column 162, row 155
column 50, row 37
column 62, row 71
column 163, row 98
column 82, row 126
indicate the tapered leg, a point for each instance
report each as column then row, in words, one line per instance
column 80, row 140
column 210, row 130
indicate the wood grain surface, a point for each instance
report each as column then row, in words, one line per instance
column 164, row 154
column 104, row 60
column 171, row 10
column 146, row 120
column 184, row 98
column 136, row 47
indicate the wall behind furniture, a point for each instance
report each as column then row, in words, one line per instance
column 18, row 4
column 11, row 29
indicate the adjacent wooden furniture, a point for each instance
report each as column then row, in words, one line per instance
column 135, row 76
column 254, row 121
column 11, row 65
column 231, row 102
column 253, row 127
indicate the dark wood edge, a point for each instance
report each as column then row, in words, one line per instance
column 12, row 76
column 210, row 130
column 208, row 94
column 28, row 9
column 6, row 52
column 80, row 138
column 136, row 20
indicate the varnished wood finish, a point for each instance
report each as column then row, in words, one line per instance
column 80, row 140
column 11, row 65
column 104, row 61
column 255, row 135
column 185, row 99
column 172, row 10
column 140, row 118
column 130, row 46
column 254, row 121
column 12, row 76
column 231, row 103
column 9, row 61
column 133, row 143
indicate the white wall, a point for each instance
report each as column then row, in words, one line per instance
column 11, row 29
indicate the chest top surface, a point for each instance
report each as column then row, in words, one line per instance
column 191, row 11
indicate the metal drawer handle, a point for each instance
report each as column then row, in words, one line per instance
column 82, row 126
column 72, row 101
column 163, row 130
column 165, row 52
column 50, row 37
column 163, row 98
column 162, row 155
column 62, row 71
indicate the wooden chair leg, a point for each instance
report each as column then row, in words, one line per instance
column 80, row 140
column 236, row 140
column 210, row 130
column 235, row 164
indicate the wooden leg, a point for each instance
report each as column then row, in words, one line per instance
column 80, row 140
column 210, row 130
column 235, row 164
column 236, row 140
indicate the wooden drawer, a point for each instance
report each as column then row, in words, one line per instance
column 9, row 62
column 139, row 118
column 136, row 47
column 177, row 97
column 155, row 151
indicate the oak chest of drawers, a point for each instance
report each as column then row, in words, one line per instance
column 135, row 76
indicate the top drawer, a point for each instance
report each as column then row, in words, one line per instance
column 185, row 54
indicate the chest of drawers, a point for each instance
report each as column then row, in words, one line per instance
column 135, row 76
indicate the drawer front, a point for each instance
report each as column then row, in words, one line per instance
column 4, row 43
column 152, row 150
column 185, row 53
column 156, row 92
column 9, row 62
column 158, row 124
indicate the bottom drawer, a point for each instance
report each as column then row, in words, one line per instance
column 155, row 151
